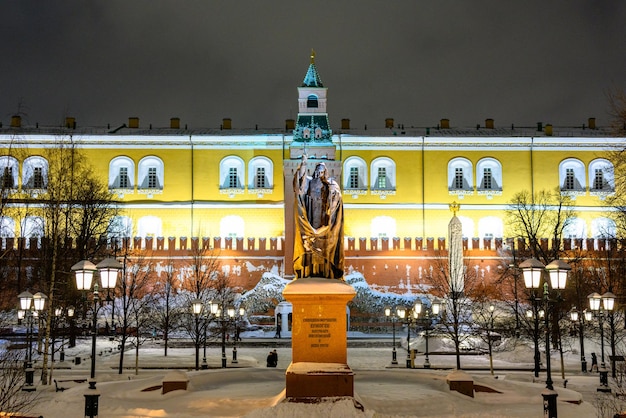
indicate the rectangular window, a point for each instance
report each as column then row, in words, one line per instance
column 569, row 179
column 233, row 180
column 458, row 178
column 381, row 181
column 153, row 181
column 598, row 180
column 353, row 182
column 487, row 178
column 38, row 178
column 7, row 178
column 124, row 182
column 260, row 179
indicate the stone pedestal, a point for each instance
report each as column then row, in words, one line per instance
column 319, row 339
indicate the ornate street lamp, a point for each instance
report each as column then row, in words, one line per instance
column 84, row 273
column 196, row 308
column 436, row 307
column 599, row 304
column 557, row 271
column 579, row 319
column 30, row 307
column 389, row 313
column 109, row 270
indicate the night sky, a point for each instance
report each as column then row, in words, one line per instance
column 416, row 61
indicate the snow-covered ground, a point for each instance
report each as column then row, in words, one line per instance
column 253, row 390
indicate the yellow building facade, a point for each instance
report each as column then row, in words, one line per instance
column 397, row 182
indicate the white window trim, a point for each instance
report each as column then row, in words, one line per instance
column 8, row 161
column 142, row 174
column 579, row 176
column 28, row 169
column 225, row 165
column 496, row 175
column 607, row 173
column 467, row 167
column 361, row 165
column 114, row 169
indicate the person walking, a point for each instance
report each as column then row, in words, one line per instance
column 278, row 329
column 594, row 362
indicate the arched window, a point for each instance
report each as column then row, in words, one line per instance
column 8, row 173
column 150, row 174
column 572, row 176
column 121, row 173
column 574, row 228
column 32, row 227
column 232, row 226
column 311, row 101
column 468, row 226
column 7, row 227
column 490, row 227
column 354, row 174
column 306, row 133
column 383, row 226
column 460, row 176
column 149, row 226
column 35, row 173
column 231, row 173
column 603, row 228
column 489, row 176
column 120, row 227
column 383, row 174
column 260, row 173
column 601, row 177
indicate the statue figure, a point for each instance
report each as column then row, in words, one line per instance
column 318, row 247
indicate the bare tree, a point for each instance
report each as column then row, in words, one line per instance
column 456, row 320
column 13, row 399
column 165, row 290
column 137, row 274
column 202, row 271
column 539, row 217
column 617, row 111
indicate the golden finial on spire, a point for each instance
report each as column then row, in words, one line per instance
column 454, row 207
column 312, row 56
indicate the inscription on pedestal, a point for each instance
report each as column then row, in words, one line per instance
column 319, row 328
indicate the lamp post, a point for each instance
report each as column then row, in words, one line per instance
column 429, row 313
column 492, row 308
column 84, row 271
column 600, row 304
column 30, row 307
column 241, row 313
column 558, row 270
column 576, row 317
column 411, row 315
column 109, row 269
column 196, row 309
column 389, row 313
column 223, row 315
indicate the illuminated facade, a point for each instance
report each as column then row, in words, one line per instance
column 397, row 182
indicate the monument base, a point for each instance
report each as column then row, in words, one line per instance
column 307, row 382
column 319, row 366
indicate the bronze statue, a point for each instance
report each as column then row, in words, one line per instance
column 318, row 247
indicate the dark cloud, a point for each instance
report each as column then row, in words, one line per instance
column 415, row 61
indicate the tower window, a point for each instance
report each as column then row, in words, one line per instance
column 311, row 101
